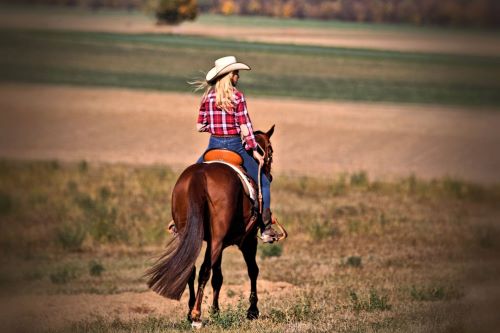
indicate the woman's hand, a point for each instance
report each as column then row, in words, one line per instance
column 258, row 157
column 201, row 127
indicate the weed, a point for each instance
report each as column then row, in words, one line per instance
column 278, row 316
column 33, row 275
column 434, row 293
column 270, row 250
column 323, row 229
column 72, row 187
column 383, row 219
column 354, row 225
column 103, row 219
column 487, row 236
column 96, row 268
column 378, row 302
column 302, row 310
column 63, row 275
column 54, row 165
column 83, row 166
column 374, row 302
column 231, row 318
column 345, row 210
column 299, row 311
column 230, row 293
column 359, row 179
column 71, row 236
column 5, row 203
column 104, row 193
column 339, row 187
column 353, row 261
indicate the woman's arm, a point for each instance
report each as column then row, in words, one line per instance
column 245, row 124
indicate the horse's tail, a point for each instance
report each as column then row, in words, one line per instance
column 169, row 275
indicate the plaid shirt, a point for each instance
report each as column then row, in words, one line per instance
column 219, row 122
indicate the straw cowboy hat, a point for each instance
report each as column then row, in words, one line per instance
column 225, row 65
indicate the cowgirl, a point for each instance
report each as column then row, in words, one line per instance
column 223, row 113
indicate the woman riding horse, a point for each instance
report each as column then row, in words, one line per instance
column 223, row 113
column 209, row 202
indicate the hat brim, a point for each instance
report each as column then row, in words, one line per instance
column 213, row 73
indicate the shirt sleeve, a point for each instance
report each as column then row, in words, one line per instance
column 243, row 118
column 202, row 115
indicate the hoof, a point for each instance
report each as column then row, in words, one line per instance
column 253, row 314
column 197, row 324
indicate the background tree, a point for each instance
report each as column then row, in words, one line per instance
column 173, row 11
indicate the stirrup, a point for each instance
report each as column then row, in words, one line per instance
column 277, row 237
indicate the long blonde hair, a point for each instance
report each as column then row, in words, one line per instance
column 224, row 91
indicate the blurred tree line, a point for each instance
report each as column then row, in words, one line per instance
column 419, row 12
column 481, row 13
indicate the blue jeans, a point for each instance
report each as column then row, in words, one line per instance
column 250, row 164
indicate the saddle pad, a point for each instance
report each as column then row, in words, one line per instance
column 250, row 189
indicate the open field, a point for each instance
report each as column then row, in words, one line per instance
column 362, row 256
column 403, row 38
column 167, row 62
column 311, row 137
column 385, row 172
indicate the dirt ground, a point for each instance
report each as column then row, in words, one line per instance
column 313, row 138
column 59, row 311
column 415, row 41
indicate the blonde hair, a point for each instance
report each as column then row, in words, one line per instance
column 224, row 91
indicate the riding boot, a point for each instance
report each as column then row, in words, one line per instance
column 268, row 234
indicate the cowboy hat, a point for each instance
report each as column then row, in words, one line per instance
column 225, row 65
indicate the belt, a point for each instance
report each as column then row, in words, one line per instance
column 226, row 136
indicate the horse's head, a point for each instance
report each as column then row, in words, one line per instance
column 264, row 141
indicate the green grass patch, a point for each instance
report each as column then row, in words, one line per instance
column 374, row 302
column 71, row 236
column 96, row 268
column 270, row 250
column 434, row 293
column 167, row 62
column 64, row 274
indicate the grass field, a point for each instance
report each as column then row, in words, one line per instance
column 167, row 62
column 362, row 256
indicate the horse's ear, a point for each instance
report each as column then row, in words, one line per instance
column 270, row 132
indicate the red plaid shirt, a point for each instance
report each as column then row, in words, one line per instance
column 219, row 122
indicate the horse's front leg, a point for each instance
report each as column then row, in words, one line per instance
column 249, row 252
column 216, row 283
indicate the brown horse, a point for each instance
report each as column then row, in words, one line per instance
column 209, row 203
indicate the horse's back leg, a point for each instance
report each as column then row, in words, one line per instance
column 192, row 295
column 217, row 279
column 249, row 250
column 203, row 277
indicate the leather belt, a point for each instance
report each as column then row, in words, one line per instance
column 226, row 136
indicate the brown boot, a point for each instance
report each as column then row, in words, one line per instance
column 268, row 234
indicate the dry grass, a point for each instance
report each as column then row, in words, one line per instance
column 364, row 256
column 311, row 137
